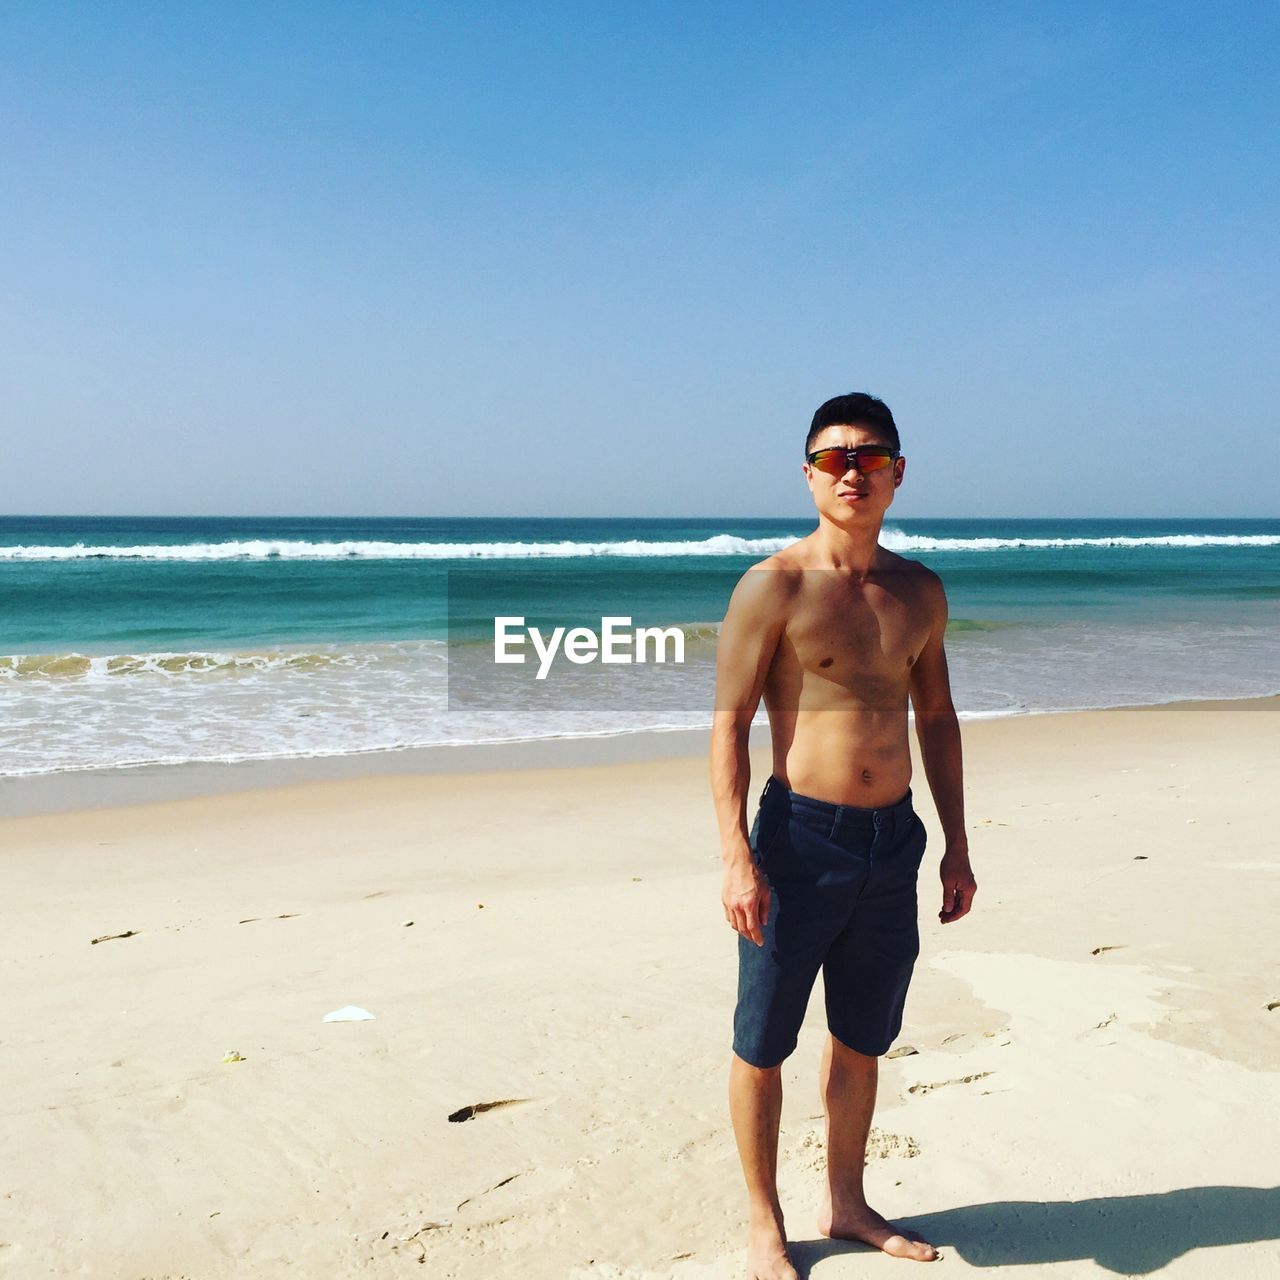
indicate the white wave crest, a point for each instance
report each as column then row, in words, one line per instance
column 897, row 541
column 722, row 544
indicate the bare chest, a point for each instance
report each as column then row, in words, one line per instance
column 847, row 633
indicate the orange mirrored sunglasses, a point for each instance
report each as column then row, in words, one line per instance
column 862, row 458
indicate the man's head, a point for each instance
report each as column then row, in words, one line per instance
column 857, row 409
column 852, row 461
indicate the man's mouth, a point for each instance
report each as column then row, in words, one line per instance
column 853, row 493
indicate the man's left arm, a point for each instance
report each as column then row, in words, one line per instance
column 938, row 731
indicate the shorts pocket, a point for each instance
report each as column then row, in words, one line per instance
column 820, row 824
column 921, row 838
column 765, row 830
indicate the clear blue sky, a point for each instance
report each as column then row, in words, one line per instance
column 603, row 258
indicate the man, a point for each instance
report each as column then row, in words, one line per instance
column 836, row 633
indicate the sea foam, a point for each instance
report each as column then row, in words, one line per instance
column 719, row 545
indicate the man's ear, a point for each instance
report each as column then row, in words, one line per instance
column 899, row 466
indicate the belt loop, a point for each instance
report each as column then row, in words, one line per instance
column 833, row 834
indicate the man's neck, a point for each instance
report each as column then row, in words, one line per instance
column 851, row 551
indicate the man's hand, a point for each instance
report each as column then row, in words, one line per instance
column 958, row 886
column 745, row 898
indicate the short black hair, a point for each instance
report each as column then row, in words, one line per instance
column 857, row 409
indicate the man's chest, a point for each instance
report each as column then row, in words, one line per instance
column 845, row 633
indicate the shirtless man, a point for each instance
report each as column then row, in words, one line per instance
column 835, row 632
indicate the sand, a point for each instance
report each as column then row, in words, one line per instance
column 1095, row 1088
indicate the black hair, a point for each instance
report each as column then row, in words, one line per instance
column 857, row 409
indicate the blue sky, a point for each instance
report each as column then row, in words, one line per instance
column 606, row 259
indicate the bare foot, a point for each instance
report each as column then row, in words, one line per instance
column 767, row 1254
column 867, row 1225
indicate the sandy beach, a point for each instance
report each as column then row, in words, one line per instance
column 1095, row 1087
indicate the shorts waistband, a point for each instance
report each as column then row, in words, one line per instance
column 778, row 794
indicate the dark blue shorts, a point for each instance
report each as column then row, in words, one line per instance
column 844, row 901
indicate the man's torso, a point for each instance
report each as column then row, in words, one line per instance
column 837, row 688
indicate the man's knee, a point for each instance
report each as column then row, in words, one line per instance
column 745, row 1068
column 849, row 1056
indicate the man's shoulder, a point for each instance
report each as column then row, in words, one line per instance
column 785, row 563
column 771, row 581
column 913, row 571
column 918, row 584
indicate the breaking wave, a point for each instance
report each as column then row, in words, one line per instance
column 719, row 545
column 74, row 666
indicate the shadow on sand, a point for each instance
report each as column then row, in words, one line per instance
column 1129, row 1235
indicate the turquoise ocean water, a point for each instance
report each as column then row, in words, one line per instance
column 135, row 640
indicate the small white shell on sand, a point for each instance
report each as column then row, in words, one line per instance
column 349, row 1013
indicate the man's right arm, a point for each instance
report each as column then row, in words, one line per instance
column 748, row 639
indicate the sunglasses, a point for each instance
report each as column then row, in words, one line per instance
column 863, row 457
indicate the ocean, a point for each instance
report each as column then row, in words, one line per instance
column 129, row 641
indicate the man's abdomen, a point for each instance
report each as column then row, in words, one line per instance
column 854, row 757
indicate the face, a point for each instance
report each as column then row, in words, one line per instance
column 857, row 497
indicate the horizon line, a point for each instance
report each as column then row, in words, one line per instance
column 209, row 515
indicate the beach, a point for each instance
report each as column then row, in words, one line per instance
column 1095, row 1087
column 401, row 401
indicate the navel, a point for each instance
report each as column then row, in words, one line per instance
column 866, row 775
column 826, row 662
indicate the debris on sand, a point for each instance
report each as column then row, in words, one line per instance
column 466, row 1113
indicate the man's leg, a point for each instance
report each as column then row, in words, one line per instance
column 848, row 1083
column 755, row 1105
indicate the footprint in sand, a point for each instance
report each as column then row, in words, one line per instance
column 409, row 1240
column 810, row 1151
column 881, row 1146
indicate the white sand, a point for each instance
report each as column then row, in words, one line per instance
column 1067, row 1114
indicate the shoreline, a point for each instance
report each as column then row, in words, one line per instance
column 128, row 786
